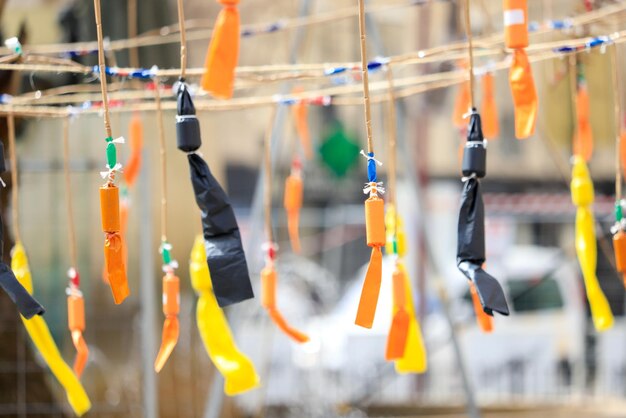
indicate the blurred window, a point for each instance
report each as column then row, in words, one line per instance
column 535, row 294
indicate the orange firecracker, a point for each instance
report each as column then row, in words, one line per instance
column 221, row 60
column 135, row 133
column 489, row 110
column 376, row 238
column 520, row 75
column 293, row 204
column 171, row 327
column 269, row 279
column 583, row 140
column 76, row 321
column 399, row 331
column 113, row 246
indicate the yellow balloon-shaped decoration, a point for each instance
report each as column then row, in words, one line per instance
column 238, row 371
column 40, row 335
column 586, row 249
column 414, row 359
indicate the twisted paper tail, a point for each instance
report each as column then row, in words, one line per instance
column 42, row 339
column 116, row 270
column 169, row 339
column 484, row 321
column 414, row 359
column 269, row 280
column 524, row 94
column 587, row 257
column 222, row 56
column 293, row 204
column 583, row 141
column 301, row 119
column 399, row 330
column 489, row 111
column 171, row 328
column 133, row 165
column 239, row 373
column 586, row 248
column 76, row 325
column 82, row 353
column 371, row 288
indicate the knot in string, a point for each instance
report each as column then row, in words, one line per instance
column 467, row 178
column 373, row 188
column 110, row 173
column 270, row 249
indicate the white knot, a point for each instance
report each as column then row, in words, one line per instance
column 373, row 188
column 73, row 291
column 378, row 163
column 466, row 178
column 110, row 171
column 169, row 268
column 14, row 44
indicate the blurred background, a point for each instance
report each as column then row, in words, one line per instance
column 545, row 358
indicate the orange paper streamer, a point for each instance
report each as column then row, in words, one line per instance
column 461, row 105
column 489, row 109
column 583, row 140
column 135, row 133
column 116, row 269
column 301, row 119
column 223, row 54
column 524, row 95
column 269, row 280
column 76, row 325
column 484, row 321
column 171, row 327
column 399, row 331
column 293, row 203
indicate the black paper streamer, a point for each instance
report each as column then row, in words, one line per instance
column 26, row 304
column 222, row 240
column 471, row 230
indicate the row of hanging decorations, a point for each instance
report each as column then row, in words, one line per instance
column 218, row 268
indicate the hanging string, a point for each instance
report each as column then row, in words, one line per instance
column 68, row 192
column 183, row 39
column 14, row 186
column 101, row 65
column 161, row 133
column 133, row 52
column 268, row 177
column 573, row 84
column 470, row 51
column 392, row 134
column 365, row 72
column 618, row 122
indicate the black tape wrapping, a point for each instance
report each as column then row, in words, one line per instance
column 187, row 126
column 222, row 240
column 26, row 304
column 471, row 249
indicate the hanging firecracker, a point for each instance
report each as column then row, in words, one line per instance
column 520, row 75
